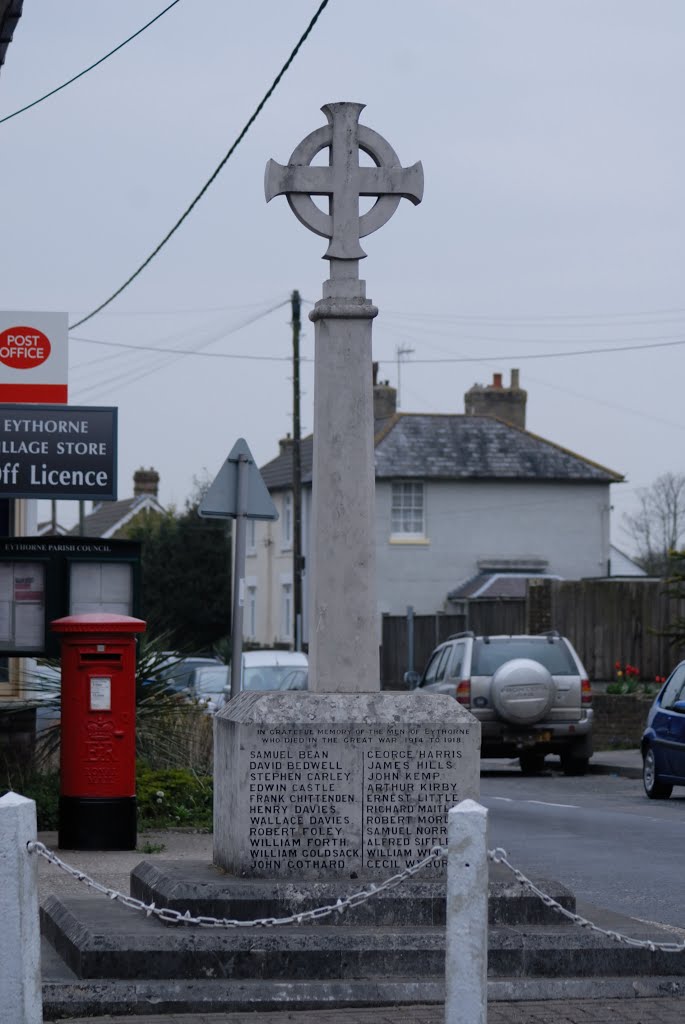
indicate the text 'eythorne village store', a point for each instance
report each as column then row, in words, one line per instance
column 53, row 451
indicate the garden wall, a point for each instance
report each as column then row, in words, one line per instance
column 619, row 720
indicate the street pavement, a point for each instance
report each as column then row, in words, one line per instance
column 113, row 869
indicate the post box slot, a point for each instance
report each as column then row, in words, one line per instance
column 100, row 657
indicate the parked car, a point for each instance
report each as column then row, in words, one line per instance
column 274, row 670
column 663, row 741
column 210, row 685
column 531, row 695
column 176, row 675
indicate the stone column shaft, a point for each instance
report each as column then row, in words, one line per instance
column 343, row 627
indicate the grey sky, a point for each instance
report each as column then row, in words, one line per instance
column 551, row 135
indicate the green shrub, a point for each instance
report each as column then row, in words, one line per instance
column 172, row 733
column 174, row 797
column 170, row 798
column 43, row 787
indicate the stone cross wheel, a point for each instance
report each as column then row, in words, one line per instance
column 344, row 181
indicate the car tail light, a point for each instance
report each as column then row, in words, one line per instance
column 463, row 693
column 585, row 692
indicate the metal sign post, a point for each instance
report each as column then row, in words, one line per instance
column 238, row 492
column 239, row 577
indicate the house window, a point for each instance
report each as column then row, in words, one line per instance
column 286, row 611
column 287, row 522
column 250, row 618
column 407, row 514
column 251, row 537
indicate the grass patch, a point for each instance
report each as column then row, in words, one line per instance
column 151, row 848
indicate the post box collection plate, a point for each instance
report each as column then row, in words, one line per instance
column 100, row 693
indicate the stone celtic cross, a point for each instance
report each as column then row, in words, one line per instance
column 344, row 181
column 342, row 609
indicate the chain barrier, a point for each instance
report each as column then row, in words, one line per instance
column 498, row 856
column 175, row 916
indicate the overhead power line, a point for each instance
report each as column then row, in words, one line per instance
column 539, row 318
column 185, row 309
column 197, row 351
column 90, row 68
column 486, row 357
column 186, row 351
column 214, row 174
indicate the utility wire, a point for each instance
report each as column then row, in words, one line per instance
column 90, row 68
column 542, row 319
column 186, row 309
column 486, row 357
column 171, row 355
column 458, row 333
column 187, row 351
column 214, row 175
column 197, row 350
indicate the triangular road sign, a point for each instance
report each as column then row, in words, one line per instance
column 221, row 500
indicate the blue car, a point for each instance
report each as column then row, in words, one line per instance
column 663, row 741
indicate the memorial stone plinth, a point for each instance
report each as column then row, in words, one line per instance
column 314, row 786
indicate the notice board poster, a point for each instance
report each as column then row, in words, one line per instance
column 22, row 606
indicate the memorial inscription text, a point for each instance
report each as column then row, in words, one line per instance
column 364, row 797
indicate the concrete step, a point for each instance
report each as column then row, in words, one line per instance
column 204, row 890
column 172, row 995
column 98, row 939
column 69, row 998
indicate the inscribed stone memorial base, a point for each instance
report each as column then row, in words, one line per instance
column 313, row 786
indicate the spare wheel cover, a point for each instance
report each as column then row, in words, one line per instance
column 522, row 691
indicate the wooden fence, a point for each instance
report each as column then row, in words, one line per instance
column 606, row 620
column 501, row 616
column 618, row 621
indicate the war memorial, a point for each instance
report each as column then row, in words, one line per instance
column 330, row 799
column 342, row 781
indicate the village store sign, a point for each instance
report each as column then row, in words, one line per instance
column 54, row 451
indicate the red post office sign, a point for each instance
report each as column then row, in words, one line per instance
column 34, row 362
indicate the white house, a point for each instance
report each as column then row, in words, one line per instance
column 457, row 496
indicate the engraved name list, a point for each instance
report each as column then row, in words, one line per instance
column 363, row 798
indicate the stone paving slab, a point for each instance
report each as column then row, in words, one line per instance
column 574, row 1011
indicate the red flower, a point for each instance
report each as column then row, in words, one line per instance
column 617, row 666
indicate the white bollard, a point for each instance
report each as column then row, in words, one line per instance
column 466, row 952
column 20, row 979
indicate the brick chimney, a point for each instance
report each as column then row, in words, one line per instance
column 285, row 444
column 145, row 481
column 508, row 404
column 384, row 397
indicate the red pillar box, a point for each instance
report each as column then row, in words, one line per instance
column 97, row 805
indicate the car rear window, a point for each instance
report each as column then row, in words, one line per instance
column 274, row 677
column 555, row 656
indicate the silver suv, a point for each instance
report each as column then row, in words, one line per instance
column 531, row 695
